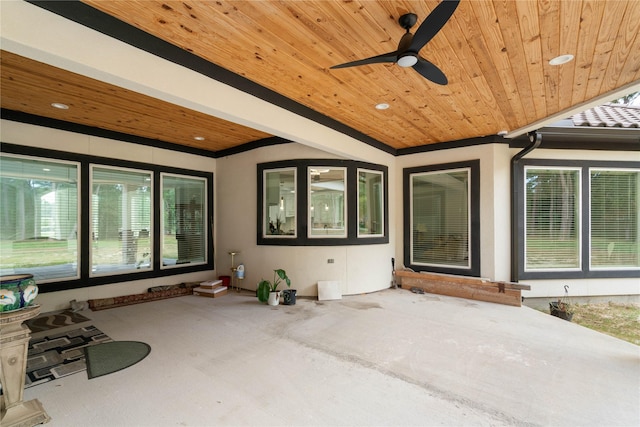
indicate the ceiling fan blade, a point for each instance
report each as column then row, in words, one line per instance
column 430, row 71
column 385, row 57
column 433, row 23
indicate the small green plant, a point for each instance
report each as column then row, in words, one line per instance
column 278, row 276
column 266, row 286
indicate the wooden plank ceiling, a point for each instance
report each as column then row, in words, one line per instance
column 494, row 53
column 30, row 87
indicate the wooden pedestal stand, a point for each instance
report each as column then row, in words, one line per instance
column 14, row 343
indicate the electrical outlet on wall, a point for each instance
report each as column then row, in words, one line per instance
column 330, row 261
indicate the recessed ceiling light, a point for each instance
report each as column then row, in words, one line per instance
column 562, row 59
column 199, row 138
column 60, row 105
column 503, row 132
column 382, row 106
column 46, row 169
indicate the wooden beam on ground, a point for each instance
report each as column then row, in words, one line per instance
column 464, row 287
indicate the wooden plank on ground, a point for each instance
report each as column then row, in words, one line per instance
column 463, row 287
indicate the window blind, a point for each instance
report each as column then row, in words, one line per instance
column 615, row 207
column 440, row 218
column 120, row 220
column 39, row 221
column 184, row 220
column 552, row 219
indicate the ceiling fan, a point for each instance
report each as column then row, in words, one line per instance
column 410, row 44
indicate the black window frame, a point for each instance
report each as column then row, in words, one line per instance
column 474, row 217
column 84, row 160
column 585, row 271
column 302, row 212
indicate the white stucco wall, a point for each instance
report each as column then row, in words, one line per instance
column 494, row 201
column 41, row 137
column 495, row 216
column 360, row 268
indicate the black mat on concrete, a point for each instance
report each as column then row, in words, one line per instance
column 60, row 354
column 110, row 357
column 54, row 320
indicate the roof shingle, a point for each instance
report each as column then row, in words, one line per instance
column 609, row 115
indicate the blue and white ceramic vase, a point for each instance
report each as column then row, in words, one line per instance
column 17, row 291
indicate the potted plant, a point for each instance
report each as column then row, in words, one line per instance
column 562, row 308
column 268, row 291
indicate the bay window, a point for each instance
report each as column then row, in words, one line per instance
column 322, row 202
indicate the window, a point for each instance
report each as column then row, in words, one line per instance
column 327, row 202
column 580, row 219
column 39, row 221
column 441, row 222
column 370, row 203
column 279, row 219
column 322, row 202
column 183, row 219
column 552, row 217
column 615, row 210
column 120, row 220
column 74, row 220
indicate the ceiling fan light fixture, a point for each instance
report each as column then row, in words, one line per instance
column 562, row 59
column 407, row 60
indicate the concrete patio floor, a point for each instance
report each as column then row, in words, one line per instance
column 387, row 358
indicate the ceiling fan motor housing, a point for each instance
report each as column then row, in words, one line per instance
column 408, row 20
